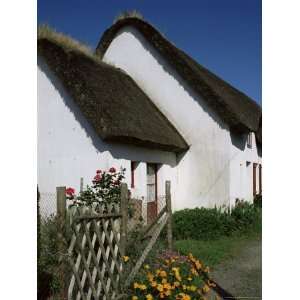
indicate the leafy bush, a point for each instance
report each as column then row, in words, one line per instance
column 106, row 188
column 212, row 223
column 258, row 200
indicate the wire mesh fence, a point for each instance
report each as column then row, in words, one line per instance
column 47, row 204
column 144, row 212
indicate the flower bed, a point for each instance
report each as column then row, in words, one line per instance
column 173, row 276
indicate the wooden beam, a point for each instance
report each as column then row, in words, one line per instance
column 169, row 213
column 124, row 213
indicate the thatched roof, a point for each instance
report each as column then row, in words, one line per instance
column 110, row 100
column 240, row 112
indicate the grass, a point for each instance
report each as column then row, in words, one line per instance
column 213, row 252
column 45, row 31
column 129, row 14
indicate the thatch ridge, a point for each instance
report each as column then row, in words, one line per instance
column 110, row 100
column 234, row 107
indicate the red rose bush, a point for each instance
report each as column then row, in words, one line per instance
column 106, row 187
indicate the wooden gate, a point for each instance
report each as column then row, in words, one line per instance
column 96, row 249
column 97, row 246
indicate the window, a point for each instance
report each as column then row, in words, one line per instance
column 133, row 166
column 249, row 140
column 151, row 182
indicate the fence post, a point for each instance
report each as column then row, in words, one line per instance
column 124, row 213
column 81, row 184
column 61, row 218
column 169, row 213
column 61, row 202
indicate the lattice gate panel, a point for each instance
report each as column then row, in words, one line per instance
column 95, row 252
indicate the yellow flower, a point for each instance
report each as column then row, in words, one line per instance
column 183, row 296
column 161, row 295
column 153, row 283
column 150, row 276
column 149, row 297
column 206, row 270
column 143, row 287
column 164, row 281
column 194, row 271
column 193, row 288
column 134, row 298
column 168, row 293
column 125, row 258
column 189, row 278
column 176, row 283
column 160, row 287
column 205, row 289
column 198, row 264
column 146, row 267
column 136, row 285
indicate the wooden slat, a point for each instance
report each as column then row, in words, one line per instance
column 94, row 257
column 146, row 251
column 81, row 250
column 105, row 257
column 97, row 216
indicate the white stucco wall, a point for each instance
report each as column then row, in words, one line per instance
column 241, row 174
column 69, row 148
column 213, row 171
column 203, row 172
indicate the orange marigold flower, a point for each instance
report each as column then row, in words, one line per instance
column 163, row 273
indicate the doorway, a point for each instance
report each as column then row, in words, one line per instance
column 151, row 192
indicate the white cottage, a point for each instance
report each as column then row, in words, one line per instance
column 141, row 103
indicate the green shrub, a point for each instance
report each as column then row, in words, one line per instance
column 212, row 223
column 258, row 201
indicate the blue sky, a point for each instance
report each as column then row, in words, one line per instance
column 223, row 36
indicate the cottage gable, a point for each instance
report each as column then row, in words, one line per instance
column 111, row 101
column 240, row 112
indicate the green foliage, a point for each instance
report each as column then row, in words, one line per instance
column 50, row 265
column 258, row 201
column 213, row 223
column 48, row 261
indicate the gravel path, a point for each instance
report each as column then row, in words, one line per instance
column 241, row 276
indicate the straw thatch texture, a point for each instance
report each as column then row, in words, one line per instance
column 110, row 100
column 240, row 112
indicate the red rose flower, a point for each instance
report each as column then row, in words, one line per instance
column 98, row 171
column 97, row 178
column 70, row 191
column 112, row 170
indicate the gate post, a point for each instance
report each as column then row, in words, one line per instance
column 124, row 213
column 61, row 219
column 169, row 214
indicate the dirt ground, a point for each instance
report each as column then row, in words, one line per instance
column 241, row 275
